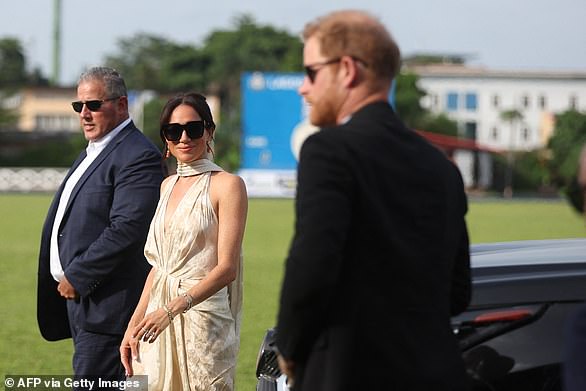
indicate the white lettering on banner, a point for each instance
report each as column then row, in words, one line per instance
column 285, row 82
column 259, row 81
column 256, row 141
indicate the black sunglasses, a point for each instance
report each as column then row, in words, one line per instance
column 92, row 105
column 311, row 70
column 173, row 132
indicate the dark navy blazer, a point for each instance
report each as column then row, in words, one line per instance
column 101, row 238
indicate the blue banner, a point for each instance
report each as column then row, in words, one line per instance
column 274, row 126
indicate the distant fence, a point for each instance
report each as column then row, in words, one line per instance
column 26, row 180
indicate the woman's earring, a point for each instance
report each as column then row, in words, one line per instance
column 209, row 147
column 167, row 152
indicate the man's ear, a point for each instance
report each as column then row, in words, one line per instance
column 351, row 74
column 123, row 102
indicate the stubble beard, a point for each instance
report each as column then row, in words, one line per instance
column 323, row 113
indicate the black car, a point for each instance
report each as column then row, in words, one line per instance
column 512, row 334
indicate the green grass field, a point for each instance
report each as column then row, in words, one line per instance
column 269, row 229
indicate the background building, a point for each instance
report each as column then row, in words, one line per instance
column 45, row 109
column 476, row 98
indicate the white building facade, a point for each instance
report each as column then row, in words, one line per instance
column 476, row 99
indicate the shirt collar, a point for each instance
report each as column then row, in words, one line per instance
column 98, row 145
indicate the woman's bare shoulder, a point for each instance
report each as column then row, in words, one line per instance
column 224, row 182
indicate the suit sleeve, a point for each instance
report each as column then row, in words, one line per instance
column 135, row 196
column 461, row 284
column 461, row 289
column 323, row 215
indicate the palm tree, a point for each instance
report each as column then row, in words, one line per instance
column 513, row 117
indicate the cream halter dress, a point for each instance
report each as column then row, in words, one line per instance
column 198, row 350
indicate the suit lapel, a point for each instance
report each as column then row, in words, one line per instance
column 49, row 220
column 112, row 145
column 57, row 197
column 74, row 166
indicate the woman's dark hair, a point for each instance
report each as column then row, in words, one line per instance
column 193, row 99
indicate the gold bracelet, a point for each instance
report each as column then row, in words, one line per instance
column 189, row 301
column 169, row 313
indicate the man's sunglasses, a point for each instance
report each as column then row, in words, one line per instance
column 92, row 105
column 311, row 70
column 173, row 132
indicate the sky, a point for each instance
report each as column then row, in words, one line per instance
column 497, row 34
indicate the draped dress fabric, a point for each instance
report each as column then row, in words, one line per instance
column 198, row 350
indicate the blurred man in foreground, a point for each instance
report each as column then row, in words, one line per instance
column 380, row 260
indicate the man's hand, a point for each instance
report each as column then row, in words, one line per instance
column 287, row 368
column 66, row 290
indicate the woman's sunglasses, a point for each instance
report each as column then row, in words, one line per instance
column 92, row 105
column 173, row 132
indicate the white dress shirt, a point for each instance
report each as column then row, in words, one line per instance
column 92, row 150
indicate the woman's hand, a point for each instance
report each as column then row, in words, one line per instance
column 151, row 326
column 129, row 350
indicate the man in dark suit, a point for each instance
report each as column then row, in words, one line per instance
column 380, row 256
column 91, row 263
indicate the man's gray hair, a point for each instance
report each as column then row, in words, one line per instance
column 113, row 82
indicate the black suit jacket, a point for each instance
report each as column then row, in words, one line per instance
column 574, row 376
column 101, row 238
column 378, row 263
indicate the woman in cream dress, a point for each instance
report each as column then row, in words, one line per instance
column 184, row 333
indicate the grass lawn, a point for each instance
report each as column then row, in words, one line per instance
column 269, row 229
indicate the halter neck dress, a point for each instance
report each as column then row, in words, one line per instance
column 198, row 350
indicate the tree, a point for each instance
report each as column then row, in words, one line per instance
column 7, row 117
column 565, row 146
column 152, row 113
column 155, row 63
column 12, row 75
column 408, row 97
column 513, row 117
column 441, row 124
column 249, row 47
column 148, row 62
column 12, row 64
